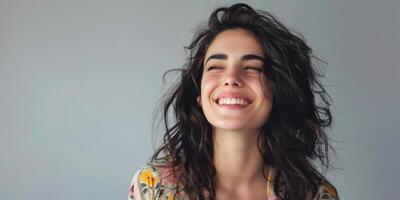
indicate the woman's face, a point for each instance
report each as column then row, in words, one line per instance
column 235, row 94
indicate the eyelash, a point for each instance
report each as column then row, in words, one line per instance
column 254, row 68
column 258, row 69
column 213, row 67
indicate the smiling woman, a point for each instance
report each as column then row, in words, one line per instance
column 235, row 77
column 247, row 125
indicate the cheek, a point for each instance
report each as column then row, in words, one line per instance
column 266, row 88
column 207, row 86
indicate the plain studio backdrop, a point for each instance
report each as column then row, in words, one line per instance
column 79, row 81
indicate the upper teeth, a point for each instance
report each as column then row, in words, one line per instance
column 222, row 101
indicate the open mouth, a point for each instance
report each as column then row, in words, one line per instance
column 232, row 102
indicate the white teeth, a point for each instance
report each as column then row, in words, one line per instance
column 232, row 101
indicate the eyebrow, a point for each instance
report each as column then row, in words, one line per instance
column 245, row 57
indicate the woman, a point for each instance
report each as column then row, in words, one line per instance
column 247, row 124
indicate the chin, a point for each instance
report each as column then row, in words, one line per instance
column 231, row 126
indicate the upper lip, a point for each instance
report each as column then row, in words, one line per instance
column 232, row 95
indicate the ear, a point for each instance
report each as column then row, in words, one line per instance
column 198, row 100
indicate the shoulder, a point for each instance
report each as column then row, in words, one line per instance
column 154, row 182
column 326, row 191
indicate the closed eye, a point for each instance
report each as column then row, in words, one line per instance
column 257, row 69
column 213, row 68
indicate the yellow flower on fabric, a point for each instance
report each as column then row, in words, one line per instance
column 149, row 178
column 171, row 196
column 330, row 189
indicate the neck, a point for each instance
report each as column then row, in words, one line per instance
column 237, row 159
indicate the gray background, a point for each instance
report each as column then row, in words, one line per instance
column 79, row 81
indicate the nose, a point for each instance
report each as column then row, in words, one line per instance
column 233, row 79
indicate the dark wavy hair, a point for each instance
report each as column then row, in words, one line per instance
column 292, row 138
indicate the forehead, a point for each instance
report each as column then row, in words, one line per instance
column 235, row 41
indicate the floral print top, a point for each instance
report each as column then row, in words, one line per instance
column 160, row 183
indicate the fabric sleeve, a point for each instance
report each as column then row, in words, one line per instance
column 145, row 184
column 134, row 189
column 326, row 192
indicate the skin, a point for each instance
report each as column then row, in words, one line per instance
column 238, row 162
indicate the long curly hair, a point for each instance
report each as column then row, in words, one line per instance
column 293, row 137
